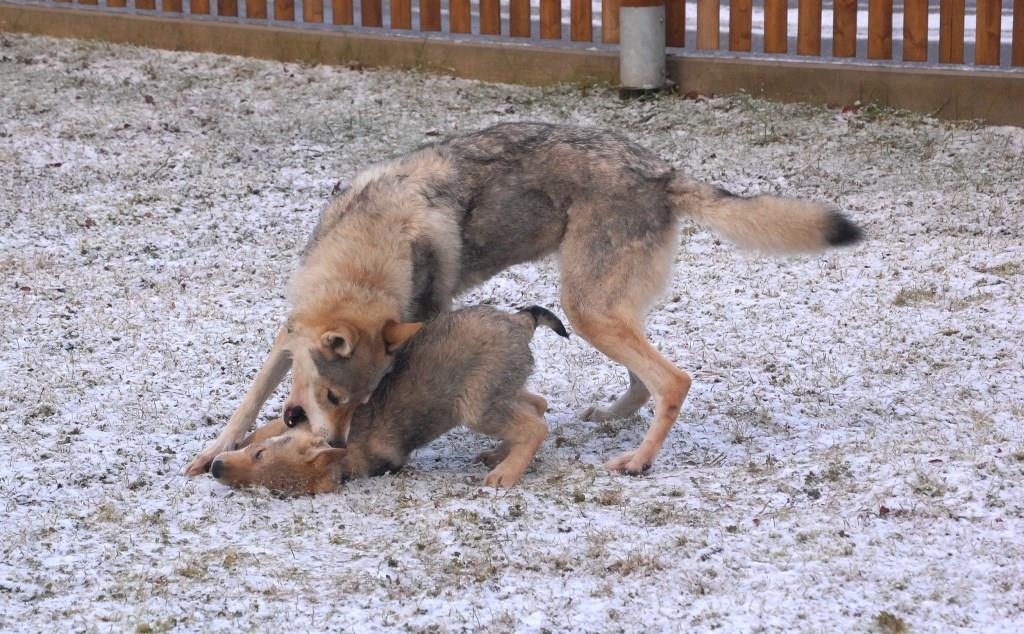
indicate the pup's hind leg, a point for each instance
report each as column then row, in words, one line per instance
column 538, row 402
column 521, row 435
column 493, row 457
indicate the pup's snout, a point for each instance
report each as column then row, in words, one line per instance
column 337, row 444
column 294, row 415
column 217, row 468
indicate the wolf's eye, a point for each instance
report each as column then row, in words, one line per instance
column 258, row 454
column 333, row 398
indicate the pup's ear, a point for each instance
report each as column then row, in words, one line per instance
column 395, row 334
column 322, row 457
column 340, row 343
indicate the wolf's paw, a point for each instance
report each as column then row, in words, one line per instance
column 493, row 457
column 630, row 463
column 595, row 414
column 503, row 476
column 201, row 463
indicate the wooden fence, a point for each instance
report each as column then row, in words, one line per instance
column 545, row 19
column 953, row 58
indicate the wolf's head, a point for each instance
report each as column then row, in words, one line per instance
column 338, row 359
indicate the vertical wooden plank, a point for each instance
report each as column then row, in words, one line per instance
column 313, row 11
column 1017, row 56
column 550, row 19
column 256, row 9
column 675, row 22
column 951, row 31
column 401, row 14
column 342, row 10
column 200, row 7
column 227, row 7
column 610, row 21
column 708, row 27
column 96, row 2
column 844, row 28
column 430, row 15
column 808, row 28
column 519, row 18
column 581, row 21
column 915, row 30
column 776, row 26
column 169, row 6
column 284, row 10
column 370, row 13
column 740, row 25
column 986, row 48
column 490, row 17
column 147, row 5
column 879, row 29
column 117, row 3
column 459, row 20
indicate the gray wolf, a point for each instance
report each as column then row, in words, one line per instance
column 412, row 233
column 468, row 367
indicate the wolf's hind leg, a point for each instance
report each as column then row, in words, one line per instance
column 635, row 397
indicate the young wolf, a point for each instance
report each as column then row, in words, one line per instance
column 410, row 234
column 468, row 367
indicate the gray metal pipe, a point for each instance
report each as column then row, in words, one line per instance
column 642, row 45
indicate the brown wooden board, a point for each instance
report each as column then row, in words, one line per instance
column 707, row 24
column 146, row 5
column 284, row 10
column 227, row 7
column 844, row 28
column 915, row 30
column 459, row 20
column 519, row 18
column 986, row 44
column 490, row 17
column 740, row 15
column 313, row 11
column 1017, row 56
column 775, row 26
column 581, row 21
column 256, row 9
column 371, row 13
column 401, row 14
column 610, row 21
column 550, row 19
column 808, row 30
column 200, row 7
column 879, row 29
column 430, row 15
column 951, row 31
column 675, row 22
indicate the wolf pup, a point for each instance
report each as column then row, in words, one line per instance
column 410, row 234
column 468, row 367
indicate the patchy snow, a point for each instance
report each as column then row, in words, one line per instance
column 850, row 457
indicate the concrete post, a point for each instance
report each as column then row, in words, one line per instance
column 642, row 45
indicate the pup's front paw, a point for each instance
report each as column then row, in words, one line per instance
column 201, row 463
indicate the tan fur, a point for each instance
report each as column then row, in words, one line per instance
column 765, row 223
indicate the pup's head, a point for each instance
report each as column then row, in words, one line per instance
column 336, row 366
column 298, row 462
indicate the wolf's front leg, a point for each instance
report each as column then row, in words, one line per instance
column 267, row 380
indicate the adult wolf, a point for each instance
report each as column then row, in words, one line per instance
column 410, row 234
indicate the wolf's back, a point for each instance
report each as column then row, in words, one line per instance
column 766, row 223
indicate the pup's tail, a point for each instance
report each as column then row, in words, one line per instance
column 767, row 223
column 544, row 317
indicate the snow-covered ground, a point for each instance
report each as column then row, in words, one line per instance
column 850, row 457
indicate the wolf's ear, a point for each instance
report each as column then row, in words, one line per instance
column 340, row 342
column 395, row 334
